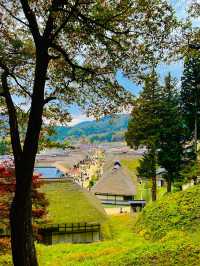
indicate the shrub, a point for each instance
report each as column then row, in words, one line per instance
column 174, row 211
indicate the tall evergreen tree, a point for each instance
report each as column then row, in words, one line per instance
column 171, row 130
column 147, row 169
column 190, row 96
column 143, row 128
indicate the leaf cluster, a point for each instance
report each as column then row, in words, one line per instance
column 7, row 189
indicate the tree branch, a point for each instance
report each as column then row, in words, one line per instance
column 50, row 98
column 89, row 20
column 22, row 87
column 30, row 16
column 13, row 16
column 194, row 46
column 49, row 25
column 5, row 68
column 66, row 20
column 14, row 130
column 69, row 61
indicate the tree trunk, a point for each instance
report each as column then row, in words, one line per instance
column 169, row 185
column 195, row 127
column 195, row 180
column 154, row 188
column 23, row 249
column 154, row 185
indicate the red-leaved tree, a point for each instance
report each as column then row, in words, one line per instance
column 7, row 189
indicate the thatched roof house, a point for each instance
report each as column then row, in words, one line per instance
column 74, row 214
column 115, row 182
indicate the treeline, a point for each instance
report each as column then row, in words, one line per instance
column 103, row 137
column 107, row 129
column 165, row 119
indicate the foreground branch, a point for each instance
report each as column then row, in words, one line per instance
column 13, row 16
column 30, row 16
column 14, row 130
column 69, row 61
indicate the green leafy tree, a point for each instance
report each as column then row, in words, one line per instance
column 143, row 127
column 191, row 171
column 55, row 53
column 190, row 96
column 5, row 146
column 147, row 167
column 172, row 133
column 190, row 103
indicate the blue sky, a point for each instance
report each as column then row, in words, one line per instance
column 175, row 69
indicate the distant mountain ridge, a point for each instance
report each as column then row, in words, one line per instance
column 106, row 129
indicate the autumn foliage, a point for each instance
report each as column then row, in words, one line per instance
column 7, row 189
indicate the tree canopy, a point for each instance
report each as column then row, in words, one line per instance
column 143, row 127
column 172, row 133
column 190, row 94
column 157, row 124
column 86, row 42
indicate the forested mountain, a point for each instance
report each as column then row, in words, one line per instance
column 106, row 129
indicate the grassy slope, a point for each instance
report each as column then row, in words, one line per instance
column 179, row 211
column 172, row 223
column 69, row 203
column 101, row 253
column 173, row 226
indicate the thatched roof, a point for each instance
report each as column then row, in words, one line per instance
column 69, row 160
column 115, row 182
column 70, row 203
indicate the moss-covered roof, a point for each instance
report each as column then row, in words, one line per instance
column 69, row 203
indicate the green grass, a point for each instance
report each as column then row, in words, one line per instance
column 123, row 239
column 179, row 211
column 68, row 203
column 166, row 233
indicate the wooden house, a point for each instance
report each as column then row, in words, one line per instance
column 116, row 186
column 70, row 233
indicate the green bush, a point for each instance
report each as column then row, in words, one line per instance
column 5, row 260
column 174, row 211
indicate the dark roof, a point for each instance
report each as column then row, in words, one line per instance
column 115, row 182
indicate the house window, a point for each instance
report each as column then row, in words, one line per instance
column 128, row 197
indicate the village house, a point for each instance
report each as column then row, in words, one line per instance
column 115, row 186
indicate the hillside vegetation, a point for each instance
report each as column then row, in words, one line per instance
column 106, row 129
column 166, row 233
column 175, row 211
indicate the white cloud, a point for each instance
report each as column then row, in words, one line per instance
column 79, row 118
